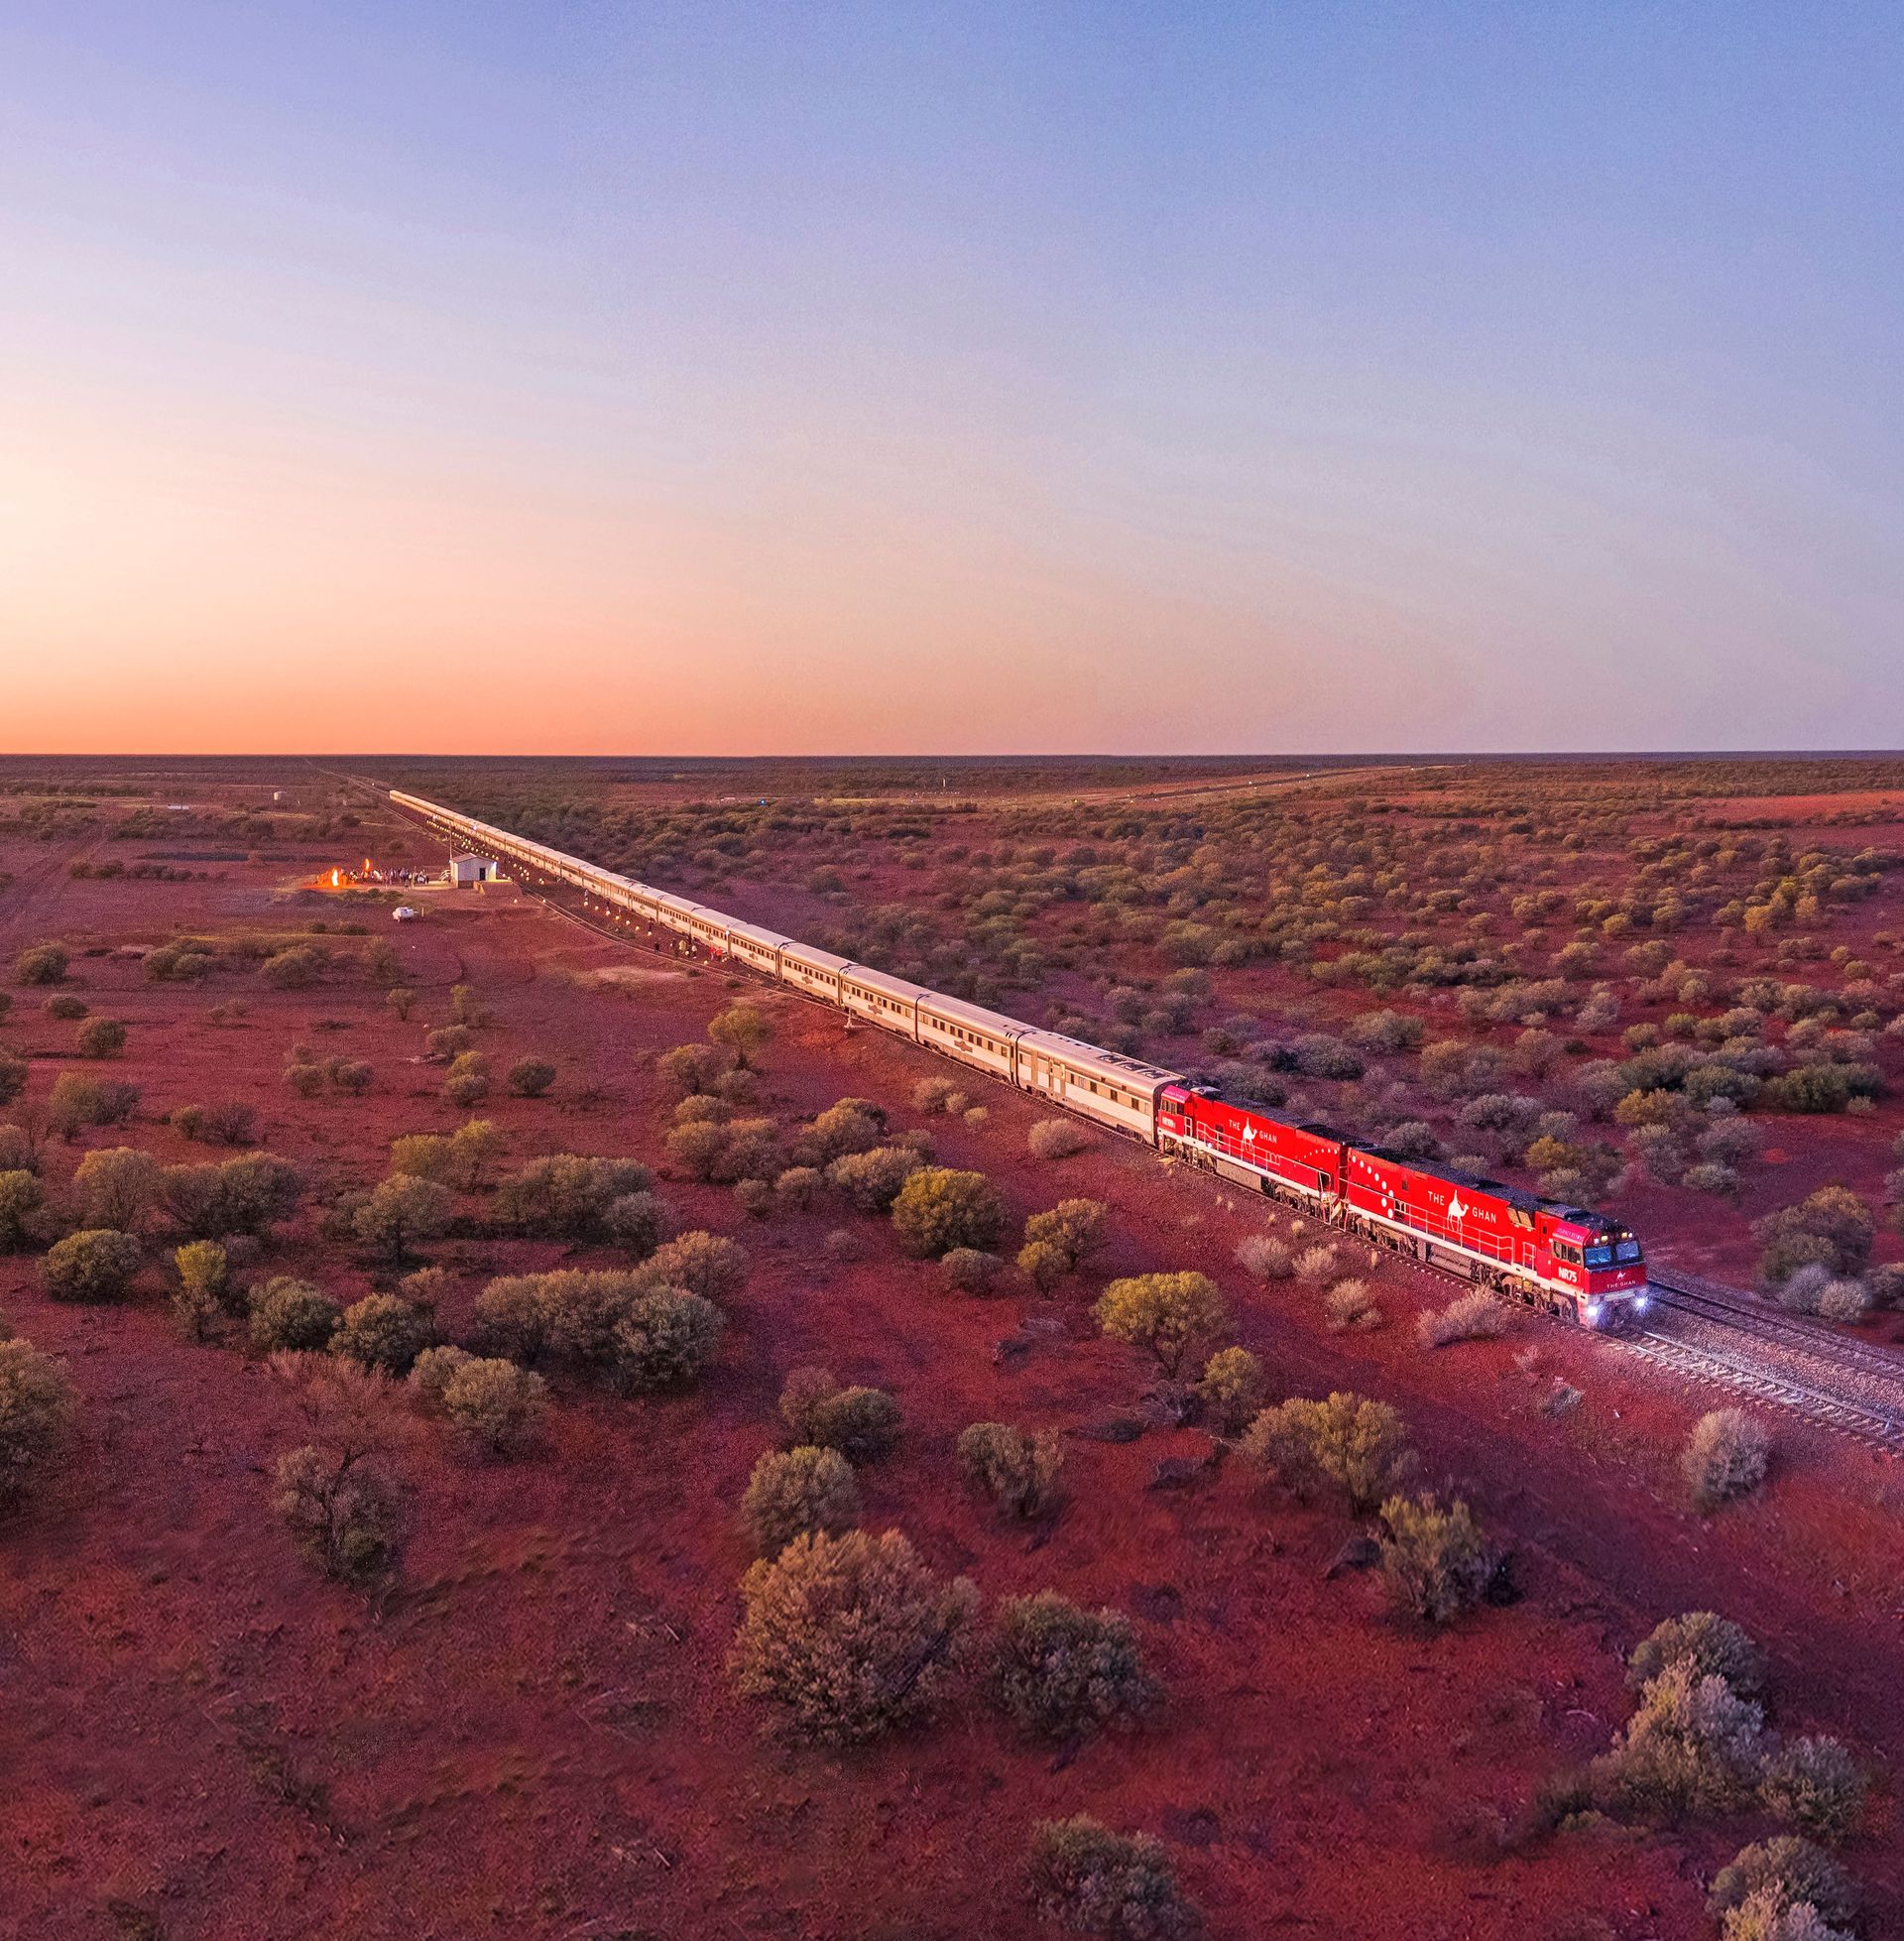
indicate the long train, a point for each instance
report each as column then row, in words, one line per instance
column 1582, row 1267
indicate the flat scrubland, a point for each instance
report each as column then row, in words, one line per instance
column 420, row 1530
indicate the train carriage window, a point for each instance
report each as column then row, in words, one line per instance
column 1601, row 1256
column 1627, row 1250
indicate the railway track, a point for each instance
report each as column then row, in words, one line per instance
column 1793, row 1364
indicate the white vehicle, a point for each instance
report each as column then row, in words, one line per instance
column 403, row 913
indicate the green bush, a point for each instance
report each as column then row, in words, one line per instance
column 466, row 1082
column 1231, row 1391
column 939, row 1209
column 1075, row 1229
column 204, row 1286
column 496, row 1405
column 93, row 1264
column 1018, row 1472
column 290, row 1315
column 101, row 1037
column 636, row 1223
column 1713, row 1646
column 566, row 1196
column 1780, row 1874
column 1725, row 1458
column 1114, row 1886
column 862, row 1423
column 871, row 1179
column 401, row 1212
column 1058, row 1671
column 798, row 1492
column 64, row 1009
column 13, row 1077
column 42, row 963
column 1815, row 1785
column 529, row 1078
column 666, row 1339
column 38, row 1407
column 117, row 1187
column 382, row 1331
column 429, row 1373
column 246, row 1195
column 293, row 969
column 1691, row 1746
column 708, row 1264
column 1434, row 1561
column 1056, row 1138
column 969, row 1270
column 1165, row 1314
column 850, row 1636
column 344, row 1509
column 1348, row 1447
column 21, row 1201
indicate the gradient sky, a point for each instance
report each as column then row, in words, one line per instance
column 718, row 378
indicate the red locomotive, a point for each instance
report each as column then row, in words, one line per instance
column 1582, row 1266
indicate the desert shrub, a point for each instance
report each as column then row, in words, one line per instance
column 1264, row 1258
column 566, row 1196
column 708, row 1264
column 173, row 964
column 1165, row 1314
column 1314, row 1264
column 1056, row 1138
column 38, row 1407
column 1114, row 1886
column 1815, row 1785
column 1725, row 1457
column 1018, row 1472
column 466, row 1082
column 230, row 1122
column 42, row 964
column 1691, row 1746
column 64, row 1009
column 1470, row 1317
column 116, row 1186
column 447, row 1042
column 13, row 1077
column 1385, row 1031
column 1076, row 1228
column 1844, row 1300
column 1347, row 1446
column 742, row 1029
column 291, row 1316
column 93, row 1264
column 474, row 1148
column 848, row 1126
column 1783, row 1873
column 382, row 1331
column 293, row 969
column 1043, row 1263
column 871, row 1179
column 21, row 1148
column 1350, row 1304
column 429, row 1373
column 401, row 1000
column 1434, row 1561
column 529, row 1078
column 345, row 1512
column 511, row 1317
column 930, row 1094
column 969, row 1270
column 1058, row 1671
column 939, row 1208
column 306, row 1079
column 798, row 1491
column 246, row 1195
column 75, row 1103
column 664, row 1339
column 1318, row 1055
column 1713, row 1646
column 401, row 1212
column 798, row 1188
column 21, row 1201
column 351, row 1076
column 1830, row 1227
column 636, row 1223
column 496, row 1405
column 862, row 1423
column 1231, row 1391
column 850, row 1636
column 204, row 1286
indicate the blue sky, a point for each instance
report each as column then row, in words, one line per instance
column 905, row 378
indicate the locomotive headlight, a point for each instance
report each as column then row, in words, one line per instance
column 1642, row 1302
column 1593, row 1311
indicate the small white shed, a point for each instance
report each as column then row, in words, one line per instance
column 465, row 870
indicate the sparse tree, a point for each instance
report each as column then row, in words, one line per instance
column 1433, row 1560
column 1115, row 1887
column 401, row 1212
column 798, row 1492
column 495, row 1404
column 1231, row 1391
column 1058, row 1671
column 1165, row 1314
column 1019, row 1473
column 939, row 1209
column 1347, row 1446
column 93, row 1264
column 38, row 1407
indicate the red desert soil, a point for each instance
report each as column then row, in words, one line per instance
column 533, row 1735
